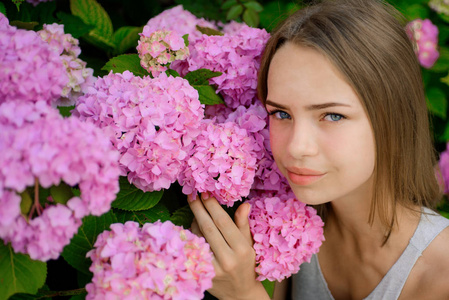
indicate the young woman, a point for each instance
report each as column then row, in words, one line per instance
column 349, row 130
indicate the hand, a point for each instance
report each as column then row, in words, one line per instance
column 231, row 243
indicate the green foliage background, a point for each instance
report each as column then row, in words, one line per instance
column 108, row 32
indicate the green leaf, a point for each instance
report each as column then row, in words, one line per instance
column 2, row 8
column 415, row 11
column 208, row 95
column 228, row 4
column 66, row 111
column 201, row 76
column 436, row 102
column 26, row 202
column 209, row 31
column 17, row 3
column 92, row 13
column 19, row 273
column 131, row 198
column 126, row 37
column 84, row 240
column 74, row 25
column 173, row 73
column 256, row 6
column 234, row 12
column 251, row 17
column 158, row 212
column 442, row 64
column 269, row 287
column 183, row 217
column 126, row 62
column 61, row 193
column 185, row 37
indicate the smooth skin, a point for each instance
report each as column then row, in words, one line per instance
column 323, row 143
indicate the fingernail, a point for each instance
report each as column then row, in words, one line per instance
column 205, row 196
column 191, row 197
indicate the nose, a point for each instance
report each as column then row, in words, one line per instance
column 303, row 140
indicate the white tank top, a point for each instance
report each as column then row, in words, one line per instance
column 309, row 282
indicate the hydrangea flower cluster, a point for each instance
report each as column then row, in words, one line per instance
column 222, row 162
column 80, row 77
column 159, row 49
column 286, row 233
column 236, row 55
column 444, row 169
column 31, row 70
column 40, row 147
column 178, row 20
column 157, row 261
column 425, row 34
column 4, row 22
column 152, row 122
column 440, row 6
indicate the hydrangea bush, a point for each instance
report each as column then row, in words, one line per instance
column 155, row 113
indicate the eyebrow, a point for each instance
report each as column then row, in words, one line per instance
column 309, row 107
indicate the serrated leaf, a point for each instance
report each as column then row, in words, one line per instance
column 234, row 12
column 437, row 102
column 74, row 25
column 183, row 217
column 201, row 76
column 207, row 95
column 126, row 62
column 228, row 4
column 209, row 31
column 84, row 240
column 269, row 287
column 131, row 198
column 126, row 37
column 251, row 17
column 256, row 6
column 158, row 212
column 19, row 273
column 2, row 8
column 92, row 13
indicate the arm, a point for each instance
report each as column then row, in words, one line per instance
column 231, row 244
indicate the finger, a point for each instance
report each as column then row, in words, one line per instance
column 224, row 223
column 195, row 229
column 241, row 220
column 209, row 230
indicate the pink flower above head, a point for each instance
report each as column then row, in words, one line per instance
column 151, row 122
column 286, row 233
column 159, row 49
column 222, row 162
column 157, row 261
column 425, row 34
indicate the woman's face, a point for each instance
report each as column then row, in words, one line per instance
column 320, row 135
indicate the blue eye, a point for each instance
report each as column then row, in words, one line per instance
column 333, row 117
column 279, row 114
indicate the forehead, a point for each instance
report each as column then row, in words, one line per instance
column 301, row 74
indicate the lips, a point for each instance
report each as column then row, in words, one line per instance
column 304, row 176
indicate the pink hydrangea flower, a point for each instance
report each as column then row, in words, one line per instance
column 286, row 233
column 236, row 55
column 40, row 147
column 30, row 70
column 157, row 261
column 444, row 168
column 178, row 20
column 222, row 162
column 152, row 122
column 80, row 77
column 4, row 22
column 425, row 34
column 159, row 49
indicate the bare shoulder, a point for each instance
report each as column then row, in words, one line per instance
column 429, row 276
